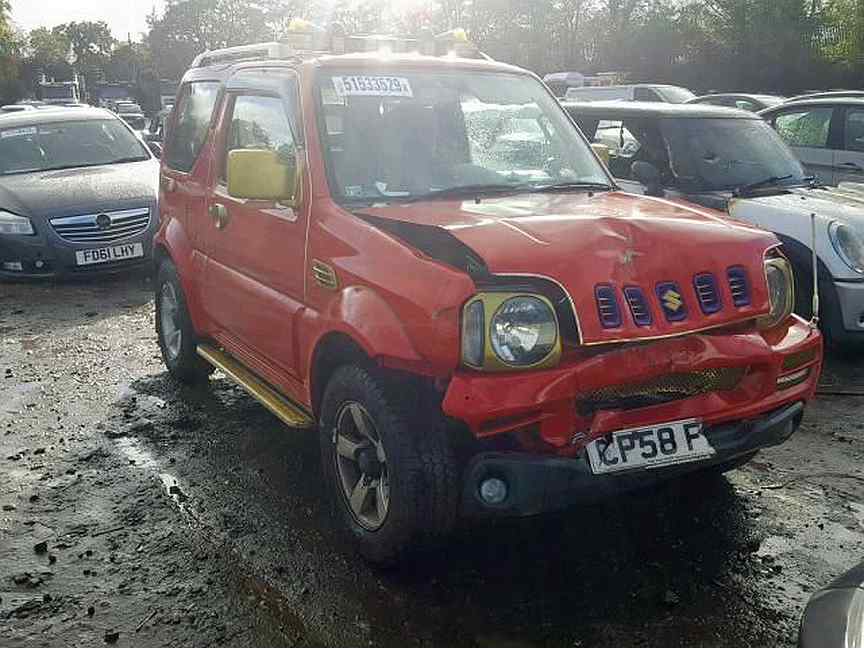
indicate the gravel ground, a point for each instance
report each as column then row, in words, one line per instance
column 138, row 512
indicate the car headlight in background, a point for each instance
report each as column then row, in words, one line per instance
column 521, row 333
column 849, row 244
column 14, row 224
column 781, row 291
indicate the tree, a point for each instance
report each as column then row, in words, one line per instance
column 10, row 53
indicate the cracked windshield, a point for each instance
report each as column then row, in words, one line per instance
column 432, row 323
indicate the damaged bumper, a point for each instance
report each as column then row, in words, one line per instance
column 714, row 378
column 538, row 484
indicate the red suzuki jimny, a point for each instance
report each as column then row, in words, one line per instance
column 420, row 255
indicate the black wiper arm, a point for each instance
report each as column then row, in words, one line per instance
column 572, row 186
column 130, row 158
column 469, row 190
column 766, row 182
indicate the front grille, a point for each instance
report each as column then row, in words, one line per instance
column 739, row 286
column 707, row 292
column 639, row 308
column 665, row 389
column 105, row 227
column 607, row 306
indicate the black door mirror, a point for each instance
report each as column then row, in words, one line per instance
column 649, row 176
column 155, row 148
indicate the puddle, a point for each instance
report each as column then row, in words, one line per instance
column 137, row 454
column 857, row 511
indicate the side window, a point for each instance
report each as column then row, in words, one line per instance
column 258, row 122
column 189, row 131
column 854, row 138
column 645, row 94
column 805, row 127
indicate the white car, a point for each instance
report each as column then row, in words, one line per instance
column 635, row 92
column 733, row 161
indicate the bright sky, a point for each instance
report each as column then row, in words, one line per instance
column 123, row 16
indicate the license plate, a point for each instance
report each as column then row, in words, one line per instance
column 655, row 447
column 108, row 254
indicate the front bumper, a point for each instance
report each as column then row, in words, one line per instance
column 850, row 297
column 46, row 255
column 545, row 404
column 539, row 484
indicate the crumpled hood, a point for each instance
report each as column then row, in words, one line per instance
column 613, row 239
column 82, row 190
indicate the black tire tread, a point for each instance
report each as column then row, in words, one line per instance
column 429, row 468
column 188, row 367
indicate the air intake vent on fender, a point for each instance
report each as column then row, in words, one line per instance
column 708, row 293
column 607, row 306
column 639, row 308
column 739, row 286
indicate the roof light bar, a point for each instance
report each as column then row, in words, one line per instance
column 305, row 38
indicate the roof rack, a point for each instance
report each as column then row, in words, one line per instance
column 305, row 39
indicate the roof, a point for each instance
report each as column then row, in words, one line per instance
column 52, row 115
column 631, row 109
column 748, row 95
column 846, row 101
column 359, row 60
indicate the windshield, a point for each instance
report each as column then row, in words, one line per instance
column 61, row 145
column 413, row 134
column 724, row 154
column 674, row 94
column 58, row 92
column 135, row 121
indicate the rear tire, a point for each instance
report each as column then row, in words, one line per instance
column 177, row 339
column 388, row 462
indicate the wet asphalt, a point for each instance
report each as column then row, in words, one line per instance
column 205, row 525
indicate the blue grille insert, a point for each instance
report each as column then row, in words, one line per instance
column 607, row 306
column 639, row 307
column 671, row 301
column 739, row 286
column 707, row 292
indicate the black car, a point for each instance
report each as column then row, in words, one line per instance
column 78, row 194
column 751, row 102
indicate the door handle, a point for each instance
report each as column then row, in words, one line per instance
column 852, row 165
column 219, row 214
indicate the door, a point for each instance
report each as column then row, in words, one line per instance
column 254, row 284
column 184, row 177
column 806, row 130
column 849, row 160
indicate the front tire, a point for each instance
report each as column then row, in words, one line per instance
column 177, row 339
column 388, row 463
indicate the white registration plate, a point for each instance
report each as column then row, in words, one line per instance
column 654, row 447
column 108, row 254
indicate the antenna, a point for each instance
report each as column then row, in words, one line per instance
column 814, row 321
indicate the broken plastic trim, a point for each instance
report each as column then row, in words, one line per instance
column 435, row 242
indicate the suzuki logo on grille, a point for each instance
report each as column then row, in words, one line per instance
column 672, row 301
column 103, row 221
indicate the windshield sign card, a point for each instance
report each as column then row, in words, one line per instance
column 372, row 86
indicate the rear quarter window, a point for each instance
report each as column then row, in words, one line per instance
column 194, row 113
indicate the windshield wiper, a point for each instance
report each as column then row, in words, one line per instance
column 469, row 190
column 572, row 186
column 766, row 182
column 130, row 158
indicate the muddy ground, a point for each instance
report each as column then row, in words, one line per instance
column 137, row 512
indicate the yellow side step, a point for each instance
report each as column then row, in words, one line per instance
column 288, row 412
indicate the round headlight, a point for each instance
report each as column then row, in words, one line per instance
column 781, row 291
column 523, row 331
column 849, row 244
